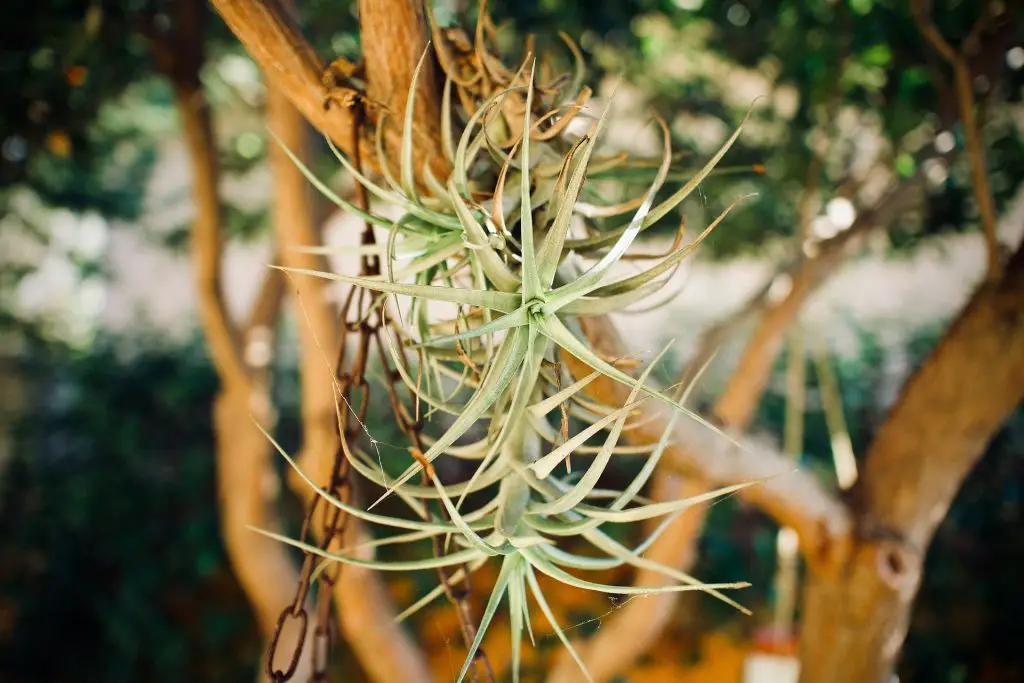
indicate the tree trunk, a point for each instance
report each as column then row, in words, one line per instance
column 856, row 615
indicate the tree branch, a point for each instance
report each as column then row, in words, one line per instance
column 753, row 369
column 270, row 36
column 969, row 385
column 712, row 338
column 179, row 55
column 263, row 567
column 394, row 37
column 964, row 84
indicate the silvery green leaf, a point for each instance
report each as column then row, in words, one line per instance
column 498, row 301
column 508, row 568
column 435, row 593
column 538, row 595
column 328, row 192
column 449, row 560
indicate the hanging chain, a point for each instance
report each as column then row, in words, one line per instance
column 370, row 323
column 352, row 389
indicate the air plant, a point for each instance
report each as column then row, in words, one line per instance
column 495, row 252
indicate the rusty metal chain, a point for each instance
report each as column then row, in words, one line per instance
column 370, row 323
column 334, row 522
column 412, row 426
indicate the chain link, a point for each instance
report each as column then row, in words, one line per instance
column 370, row 323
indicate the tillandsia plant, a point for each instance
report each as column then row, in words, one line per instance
column 498, row 262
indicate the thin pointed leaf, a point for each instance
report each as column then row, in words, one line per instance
column 531, row 280
column 508, row 567
column 408, row 170
column 328, row 192
column 587, row 528
column 396, row 522
column 516, row 318
column 660, row 211
column 666, row 264
column 509, row 358
column 547, row 464
column 612, row 547
column 538, row 561
column 447, row 143
column 659, row 509
column 555, row 330
column 438, row 591
column 516, row 597
column 448, row 560
column 538, row 595
column 495, row 269
column 586, row 484
column 550, row 403
column 423, row 213
column 551, row 250
column 602, row 305
column 591, row 279
column 503, row 302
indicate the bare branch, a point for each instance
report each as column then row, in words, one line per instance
column 207, row 242
column 712, row 338
column 754, row 367
column 179, row 55
column 964, row 83
column 270, row 36
column 263, row 567
column 294, row 222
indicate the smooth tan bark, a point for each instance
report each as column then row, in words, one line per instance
column 856, row 616
column 394, row 35
column 244, row 477
column 269, row 34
